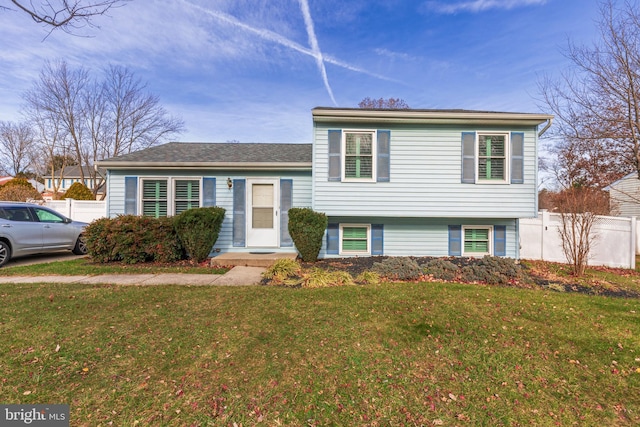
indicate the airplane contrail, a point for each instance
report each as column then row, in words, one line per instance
column 315, row 47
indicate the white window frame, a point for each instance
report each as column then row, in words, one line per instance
column 490, row 243
column 374, row 154
column 507, row 158
column 340, row 239
column 171, row 188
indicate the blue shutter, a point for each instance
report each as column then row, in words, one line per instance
column 377, row 239
column 130, row 195
column 335, row 160
column 500, row 240
column 384, row 159
column 455, row 240
column 286, row 200
column 208, row 192
column 517, row 157
column 468, row 157
column 239, row 213
column 333, row 239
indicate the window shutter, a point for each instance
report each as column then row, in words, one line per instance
column 468, row 157
column 455, row 240
column 500, row 240
column 239, row 213
column 208, row 192
column 377, row 239
column 286, row 200
column 384, row 159
column 130, row 195
column 333, row 239
column 517, row 157
column 335, row 160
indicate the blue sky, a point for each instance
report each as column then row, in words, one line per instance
column 252, row 70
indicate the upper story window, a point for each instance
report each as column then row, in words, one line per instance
column 493, row 157
column 359, row 155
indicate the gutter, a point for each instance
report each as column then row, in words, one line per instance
column 546, row 127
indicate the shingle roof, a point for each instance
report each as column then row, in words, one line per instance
column 215, row 155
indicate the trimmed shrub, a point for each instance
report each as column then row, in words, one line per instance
column 133, row 239
column 492, row 270
column 307, row 228
column 19, row 190
column 398, row 268
column 78, row 191
column 441, row 269
column 198, row 230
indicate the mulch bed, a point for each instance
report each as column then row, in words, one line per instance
column 356, row 265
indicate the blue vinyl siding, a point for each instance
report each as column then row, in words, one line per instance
column 301, row 195
column 425, row 177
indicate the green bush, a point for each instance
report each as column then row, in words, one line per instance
column 398, row 268
column 307, row 228
column 198, row 230
column 441, row 269
column 133, row 239
column 493, row 270
column 78, row 191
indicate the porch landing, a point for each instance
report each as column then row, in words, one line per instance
column 248, row 259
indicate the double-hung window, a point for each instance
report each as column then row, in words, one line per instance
column 355, row 239
column 477, row 240
column 167, row 197
column 492, row 157
column 359, row 155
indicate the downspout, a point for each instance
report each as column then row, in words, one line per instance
column 546, row 128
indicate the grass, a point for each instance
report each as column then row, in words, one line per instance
column 83, row 266
column 391, row 354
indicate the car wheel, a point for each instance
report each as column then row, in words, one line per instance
column 81, row 246
column 5, row 253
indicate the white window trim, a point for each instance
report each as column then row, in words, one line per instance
column 475, row 227
column 507, row 159
column 171, row 196
column 367, row 252
column 374, row 154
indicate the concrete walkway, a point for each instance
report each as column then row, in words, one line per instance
column 237, row 276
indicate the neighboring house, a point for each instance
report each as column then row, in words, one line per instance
column 67, row 177
column 392, row 182
column 624, row 196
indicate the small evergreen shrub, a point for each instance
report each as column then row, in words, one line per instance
column 78, row 191
column 492, row 270
column 441, row 269
column 398, row 268
column 307, row 228
column 133, row 239
column 198, row 230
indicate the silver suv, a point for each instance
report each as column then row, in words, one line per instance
column 31, row 229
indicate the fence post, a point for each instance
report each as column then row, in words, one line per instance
column 543, row 228
column 633, row 238
column 68, row 207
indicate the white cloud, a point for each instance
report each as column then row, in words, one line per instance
column 475, row 6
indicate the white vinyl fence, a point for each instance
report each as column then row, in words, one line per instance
column 79, row 210
column 614, row 245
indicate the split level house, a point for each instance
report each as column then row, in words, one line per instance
column 391, row 182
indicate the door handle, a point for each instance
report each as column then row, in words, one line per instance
column 6, row 225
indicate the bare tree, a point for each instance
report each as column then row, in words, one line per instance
column 98, row 119
column 383, row 104
column 597, row 101
column 67, row 15
column 16, row 147
column 579, row 208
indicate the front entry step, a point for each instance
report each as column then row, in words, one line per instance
column 249, row 259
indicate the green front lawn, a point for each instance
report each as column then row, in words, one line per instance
column 393, row 354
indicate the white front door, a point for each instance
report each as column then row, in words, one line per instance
column 262, row 213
